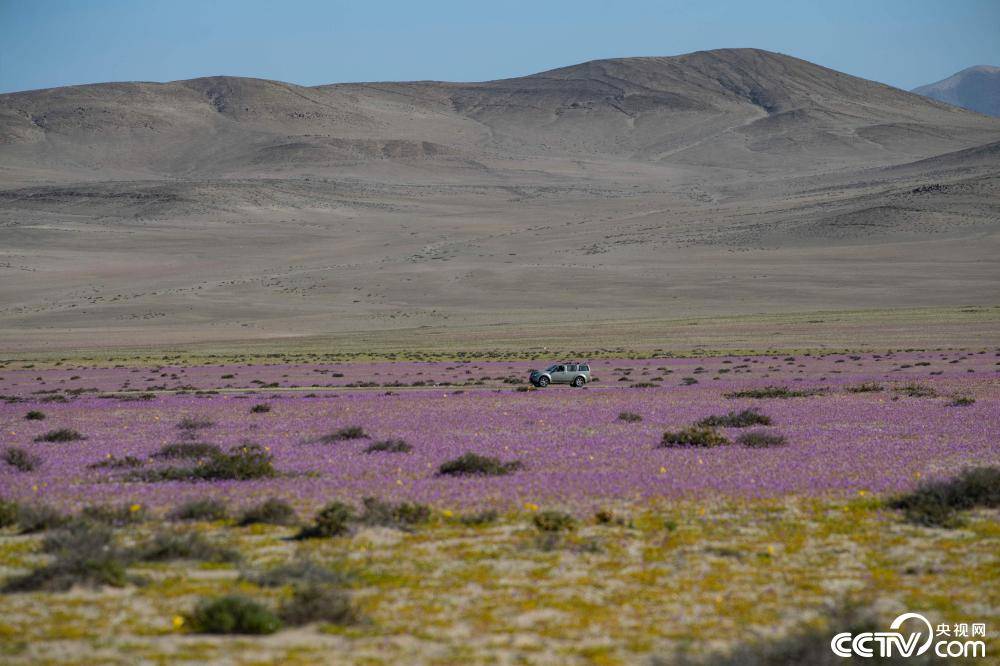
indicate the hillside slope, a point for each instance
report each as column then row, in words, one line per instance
column 974, row 88
column 724, row 182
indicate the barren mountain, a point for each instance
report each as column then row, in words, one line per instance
column 974, row 88
column 732, row 181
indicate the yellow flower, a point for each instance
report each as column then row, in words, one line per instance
column 447, row 513
column 34, row 488
column 399, row 482
column 663, row 470
column 862, row 493
column 770, row 550
column 178, row 621
column 531, row 506
column 135, row 507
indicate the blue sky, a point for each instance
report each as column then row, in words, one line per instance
column 45, row 43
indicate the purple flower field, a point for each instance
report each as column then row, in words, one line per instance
column 576, row 453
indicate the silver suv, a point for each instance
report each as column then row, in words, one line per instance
column 574, row 374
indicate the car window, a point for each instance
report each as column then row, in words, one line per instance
column 551, row 368
column 560, row 368
column 584, row 368
column 571, row 368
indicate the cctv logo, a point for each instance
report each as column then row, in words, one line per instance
column 892, row 643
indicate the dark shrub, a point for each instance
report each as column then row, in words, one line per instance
column 35, row 415
column 233, row 614
column 174, row 545
column 345, row 433
column 936, row 503
column 332, row 520
column 629, row 417
column 318, row 604
column 21, row 460
column 916, row 391
column 475, row 464
column 693, row 436
column 244, row 462
column 776, row 392
column 808, row 644
column 8, row 513
column 60, row 435
column 962, row 401
column 206, row 508
column 85, row 554
column 389, row 446
column 866, row 387
column 643, row 385
column 386, row 514
column 761, row 439
column 128, row 462
column 271, row 511
column 299, row 573
column 262, row 408
column 744, row 419
column 187, row 450
column 123, row 514
column 479, row 518
column 190, row 423
column 553, row 521
column 33, row 518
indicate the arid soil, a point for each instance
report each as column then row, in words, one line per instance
column 729, row 182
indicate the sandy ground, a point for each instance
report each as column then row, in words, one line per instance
column 237, row 210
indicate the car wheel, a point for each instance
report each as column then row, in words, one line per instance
column 578, row 382
column 543, row 382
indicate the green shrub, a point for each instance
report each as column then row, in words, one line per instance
column 475, row 464
column 128, row 462
column 233, row 614
column 389, row 446
column 962, row 401
column 386, row 514
column 761, row 439
column 865, row 387
column 187, row 450
column 316, row 603
column 272, row 511
column 345, row 433
column 479, row 518
column 629, row 417
column 553, row 521
column 262, row 408
column 33, row 518
column 247, row 461
column 206, row 508
column 331, row 521
column 776, row 392
column 190, row 423
column 744, row 419
column 60, row 435
column 35, row 415
column 169, row 545
column 807, row 644
column 937, row 503
column 299, row 573
column 693, row 436
column 242, row 463
column 85, row 554
column 123, row 514
column 21, row 459
column 916, row 391
column 8, row 513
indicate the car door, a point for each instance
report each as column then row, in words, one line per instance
column 559, row 375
